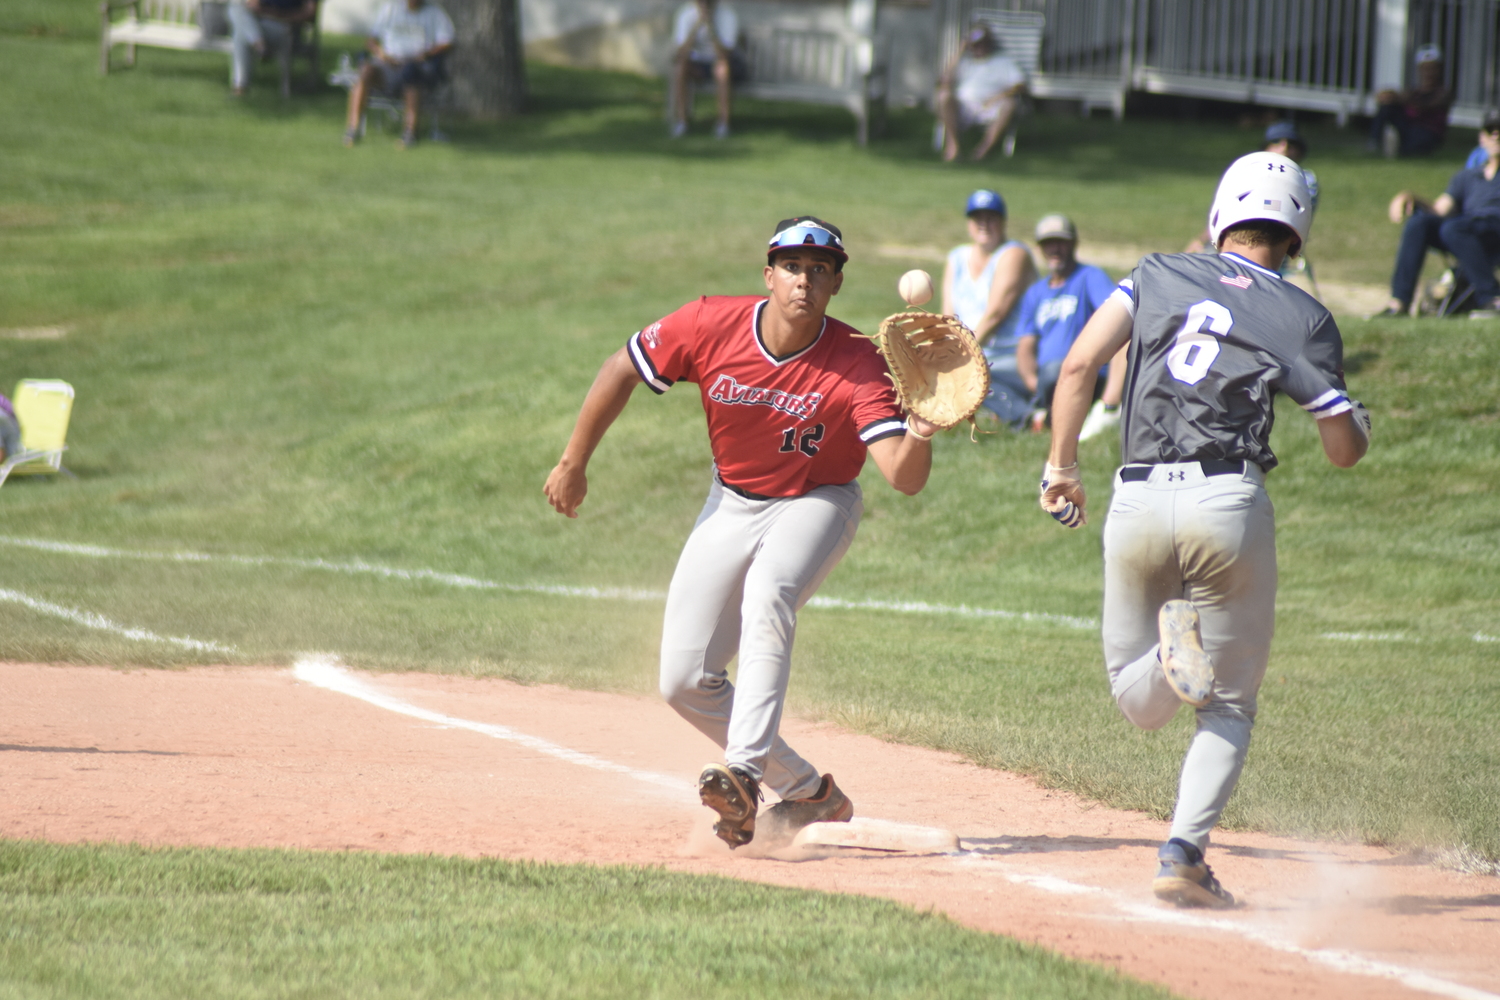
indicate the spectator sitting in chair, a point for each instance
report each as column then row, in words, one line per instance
column 1413, row 122
column 705, row 35
column 257, row 26
column 1054, row 310
column 408, row 45
column 980, row 87
column 1464, row 221
column 983, row 283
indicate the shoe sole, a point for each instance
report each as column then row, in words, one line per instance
column 1185, row 892
column 1187, row 667
column 721, row 791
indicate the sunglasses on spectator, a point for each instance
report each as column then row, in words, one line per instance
column 1490, row 131
column 798, row 236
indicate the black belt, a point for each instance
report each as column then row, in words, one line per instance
column 744, row 493
column 1210, row 467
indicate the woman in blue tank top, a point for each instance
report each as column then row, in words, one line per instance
column 983, row 283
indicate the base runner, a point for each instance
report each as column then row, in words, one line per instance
column 1190, row 541
column 794, row 400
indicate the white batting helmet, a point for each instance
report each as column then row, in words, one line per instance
column 1262, row 186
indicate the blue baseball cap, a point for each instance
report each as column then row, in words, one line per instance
column 985, row 200
column 1285, row 131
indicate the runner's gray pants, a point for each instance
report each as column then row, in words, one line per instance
column 746, row 570
column 1212, row 541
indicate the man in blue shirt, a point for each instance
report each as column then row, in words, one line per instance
column 1465, row 221
column 1054, row 310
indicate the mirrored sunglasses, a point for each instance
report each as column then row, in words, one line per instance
column 799, row 236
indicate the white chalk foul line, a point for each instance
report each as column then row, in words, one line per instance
column 1340, row 961
column 91, row 620
column 478, row 583
column 325, row 672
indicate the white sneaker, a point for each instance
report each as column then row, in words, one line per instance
column 679, row 129
column 1099, row 420
column 721, row 130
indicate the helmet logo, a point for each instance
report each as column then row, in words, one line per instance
column 1274, row 204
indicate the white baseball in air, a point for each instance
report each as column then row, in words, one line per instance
column 915, row 287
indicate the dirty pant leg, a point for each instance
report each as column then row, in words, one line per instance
column 806, row 540
column 1211, row 541
column 702, row 630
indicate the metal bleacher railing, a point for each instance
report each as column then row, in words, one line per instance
column 1314, row 55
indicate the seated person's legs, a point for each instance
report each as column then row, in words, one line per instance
column 999, row 120
column 248, row 44
column 1472, row 239
column 689, row 73
column 1420, row 232
column 371, row 75
column 1009, row 399
column 722, row 88
column 947, row 110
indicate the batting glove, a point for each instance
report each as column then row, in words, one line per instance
column 1062, row 495
column 1361, row 416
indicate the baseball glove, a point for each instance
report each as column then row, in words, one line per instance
column 936, row 365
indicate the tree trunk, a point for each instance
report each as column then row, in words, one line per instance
column 489, row 74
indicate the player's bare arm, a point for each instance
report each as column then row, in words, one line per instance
column 1344, row 438
column 1026, row 366
column 1101, row 339
column 567, row 485
column 906, row 462
column 1014, row 273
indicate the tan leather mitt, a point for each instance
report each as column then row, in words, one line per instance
column 938, row 370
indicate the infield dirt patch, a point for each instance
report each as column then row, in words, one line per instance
column 223, row 757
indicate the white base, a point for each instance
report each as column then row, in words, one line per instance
column 878, row 835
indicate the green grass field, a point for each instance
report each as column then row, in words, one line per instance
column 125, row 922
column 287, row 349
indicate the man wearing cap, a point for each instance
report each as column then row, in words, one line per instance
column 1413, row 122
column 1465, row 221
column 1054, row 310
column 795, row 400
column 983, row 283
column 979, row 87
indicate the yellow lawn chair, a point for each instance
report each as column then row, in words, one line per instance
column 43, row 407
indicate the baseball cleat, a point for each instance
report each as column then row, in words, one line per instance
column 733, row 794
column 828, row 805
column 1184, row 879
column 1187, row 666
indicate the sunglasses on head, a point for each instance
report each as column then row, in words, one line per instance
column 806, row 235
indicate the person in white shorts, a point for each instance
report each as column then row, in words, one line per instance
column 981, row 86
column 1190, row 539
column 794, row 400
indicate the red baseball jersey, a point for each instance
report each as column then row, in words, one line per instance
column 778, row 426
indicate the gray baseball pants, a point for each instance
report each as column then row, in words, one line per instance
column 746, row 569
column 1210, row 540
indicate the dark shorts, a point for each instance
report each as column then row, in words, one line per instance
column 702, row 70
column 424, row 74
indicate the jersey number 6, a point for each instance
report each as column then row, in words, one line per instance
column 809, row 443
column 1195, row 349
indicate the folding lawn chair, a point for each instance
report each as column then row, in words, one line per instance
column 43, row 407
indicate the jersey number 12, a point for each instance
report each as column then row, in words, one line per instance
column 1196, row 347
column 808, row 445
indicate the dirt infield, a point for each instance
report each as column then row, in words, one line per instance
column 420, row 763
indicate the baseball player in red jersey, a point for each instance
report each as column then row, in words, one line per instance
column 794, row 400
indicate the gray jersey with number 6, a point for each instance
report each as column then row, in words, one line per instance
column 1215, row 338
